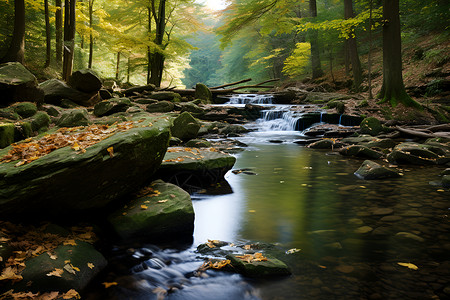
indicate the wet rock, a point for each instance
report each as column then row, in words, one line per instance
column 51, row 110
column 185, row 126
column 271, row 267
column 446, row 172
column 381, row 143
column 233, row 130
column 138, row 89
column 370, row 126
column 145, row 101
column 73, row 118
column 55, row 90
column 390, row 218
column 66, row 103
column 22, row 130
column 160, row 106
column 6, row 134
column 363, row 230
column 109, row 107
column 100, row 176
column 408, row 236
column 105, row 94
column 68, row 258
column 411, row 213
column 362, row 139
column 322, row 144
column 419, row 154
column 355, row 221
column 446, row 181
column 192, row 108
column 18, row 84
column 164, row 212
column 24, row 109
column 383, row 211
column 203, row 92
column 360, row 151
column 345, row 269
column 370, row 170
column 85, row 80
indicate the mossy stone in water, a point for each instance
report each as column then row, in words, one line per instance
column 372, row 170
column 6, row 134
column 370, row 126
column 446, row 181
column 360, row 151
column 269, row 268
column 203, row 92
column 160, row 106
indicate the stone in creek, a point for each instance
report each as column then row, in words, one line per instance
column 390, row 218
column 355, row 221
column 382, row 230
column 271, row 267
column 363, row 229
column 372, row 170
column 412, row 213
column 383, row 211
column 415, row 204
column 345, row 269
column 408, row 236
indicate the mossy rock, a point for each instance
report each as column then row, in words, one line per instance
column 370, row 126
column 24, row 109
column 40, row 121
column 166, row 211
column 6, row 134
column 271, row 267
column 73, row 118
column 168, row 96
column 322, row 144
column 160, row 106
column 446, row 181
column 66, row 103
column 22, row 131
column 203, row 93
column 109, row 107
column 360, row 151
column 9, row 113
column 371, row 170
column 192, row 108
column 233, row 130
column 185, row 126
column 419, row 154
column 340, row 106
column 83, row 256
column 198, row 143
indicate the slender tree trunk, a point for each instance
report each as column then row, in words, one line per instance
column 393, row 89
column 58, row 31
column 369, row 63
column 346, row 58
column 91, row 36
column 48, row 37
column 128, row 68
column 69, row 38
column 157, row 58
column 330, row 48
column 352, row 48
column 16, row 50
column 149, row 53
column 314, row 40
column 117, row 65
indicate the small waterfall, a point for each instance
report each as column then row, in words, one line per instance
column 251, row 99
column 283, row 118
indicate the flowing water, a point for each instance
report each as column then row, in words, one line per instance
column 355, row 239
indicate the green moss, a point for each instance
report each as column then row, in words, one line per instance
column 6, row 134
column 370, row 126
column 40, row 121
column 25, row 109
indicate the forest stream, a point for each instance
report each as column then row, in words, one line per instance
column 341, row 236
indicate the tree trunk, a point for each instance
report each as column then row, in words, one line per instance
column 149, row 54
column 117, row 65
column 157, row 58
column 369, row 62
column 58, row 31
column 69, row 38
column 91, row 36
column 48, row 37
column 16, row 50
column 128, row 68
column 314, row 40
column 393, row 89
column 352, row 48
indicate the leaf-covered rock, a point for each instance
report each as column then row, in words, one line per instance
column 256, row 268
column 70, row 180
column 419, row 154
column 360, row 151
column 160, row 210
column 372, row 170
column 370, row 126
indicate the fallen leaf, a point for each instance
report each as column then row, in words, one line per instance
column 10, row 273
column 76, row 147
column 70, row 242
column 163, row 201
column 144, row 206
column 69, row 269
column 90, row 265
column 109, row 284
column 251, row 211
column 71, row 294
column 49, row 296
column 56, row 272
column 409, row 265
column 172, row 196
column 110, row 151
column 293, row 250
column 52, row 255
column 247, row 247
column 75, row 268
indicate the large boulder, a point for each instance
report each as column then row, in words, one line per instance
column 419, row 154
column 79, row 263
column 160, row 106
column 85, row 80
column 55, row 90
column 370, row 126
column 203, row 93
column 109, row 107
column 185, row 126
column 372, row 170
column 70, row 180
column 161, row 210
column 18, row 84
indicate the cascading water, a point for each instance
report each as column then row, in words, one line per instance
column 251, row 99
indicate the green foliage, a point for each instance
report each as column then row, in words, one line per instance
column 297, row 62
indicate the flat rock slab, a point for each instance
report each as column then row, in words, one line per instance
column 268, row 268
column 161, row 209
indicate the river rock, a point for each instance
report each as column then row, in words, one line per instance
column 185, row 126
column 198, row 143
column 445, row 172
column 271, row 267
column 64, row 183
column 160, row 106
column 381, row 143
column 359, row 140
column 24, row 109
column 55, row 90
column 166, row 210
column 35, row 276
column 233, row 130
column 408, row 236
column 192, row 108
column 6, row 134
column 203, row 93
column 18, row 84
column 322, row 144
column 446, row 181
column 371, row 170
column 360, row 151
column 109, row 107
column 168, row 96
column 73, row 118
column 419, row 154
column 85, row 80
column 370, row 126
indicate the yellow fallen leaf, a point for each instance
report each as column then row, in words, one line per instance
column 52, row 255
column 69, row 269
column 440, row 190
column 9, row 273
column 75, row 268
column 163, row 201
column 144, row 206
column 70, row 242
column 293, row 250
column 247, row 247
column 251, row 211
column 56, row 272
column 409, row 265
column 90, row 265
column 76, row 147
column 109, row 284
column 71, row 294
column 110, row 151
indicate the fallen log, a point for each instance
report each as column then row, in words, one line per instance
column 441, row 127
column 415, row 132
column 229, row 84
